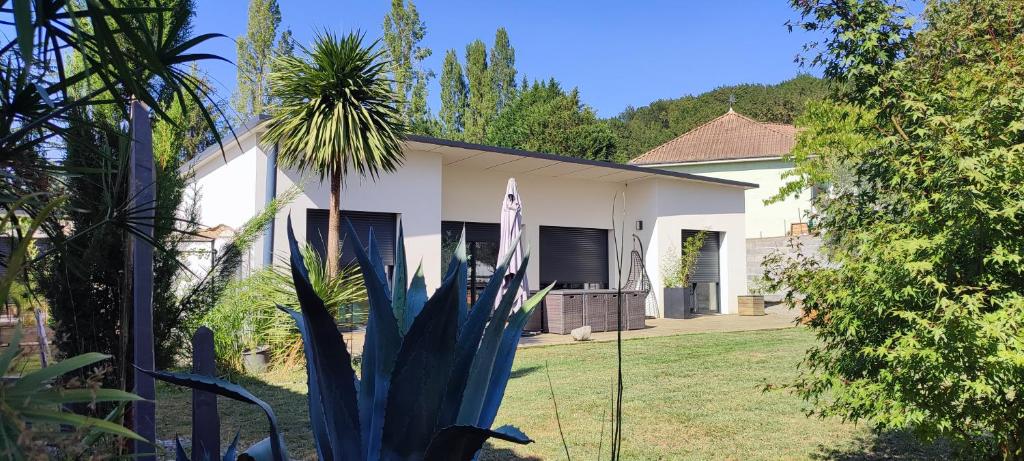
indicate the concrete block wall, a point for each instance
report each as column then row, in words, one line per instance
column 759, row 248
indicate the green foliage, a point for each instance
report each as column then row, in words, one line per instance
column 503, row 70
column 427, row 392
column 247, row 315
column 677, row 266
column 256, row 55
column 86, row 293
column 403, row 32
column 919, row 304
column 480, row 108
column 454, row 94
column 546, row 118
column 32, row 414
column 337, row 111
column 640, row 129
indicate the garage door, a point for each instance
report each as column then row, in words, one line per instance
column 573, row 256
column 384, row 228
column 708, row 260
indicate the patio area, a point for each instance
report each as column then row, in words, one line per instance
column 777, row 316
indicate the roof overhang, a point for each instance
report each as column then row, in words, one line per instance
column 710, row 162
column 493, row 158
column 515, row 161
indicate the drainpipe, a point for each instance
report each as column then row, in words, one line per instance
column 270, row 191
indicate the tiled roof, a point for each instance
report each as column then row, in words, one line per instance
column 729, row 137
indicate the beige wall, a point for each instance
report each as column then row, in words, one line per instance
column 762, row 220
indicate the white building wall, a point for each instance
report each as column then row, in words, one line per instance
column 672, row 206
column 762, row 220
column 414, row 192
column 475, row 196
column 424, row 193
column 227, row 186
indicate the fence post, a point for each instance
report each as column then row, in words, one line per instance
column 143, row 192
column 205, row 420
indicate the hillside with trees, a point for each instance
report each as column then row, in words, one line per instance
column 638, row 129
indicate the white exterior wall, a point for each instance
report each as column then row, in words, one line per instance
column 413, row 192
column 668, row 206
column 475, row 196
column 762, row 220
column 424, row 193
column 227, row 192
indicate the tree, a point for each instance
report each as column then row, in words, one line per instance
column 503, row 70
column 403, row 32
column 453, row 97
column 337, row 113
column 256, row 53
column 920, row 303
column 480, row 107
column 85, row 290
column 545, row 118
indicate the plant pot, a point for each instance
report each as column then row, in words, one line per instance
column 256, row 360
column 751, row 305
column 677, row 303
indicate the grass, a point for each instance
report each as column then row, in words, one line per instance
column 694, row 396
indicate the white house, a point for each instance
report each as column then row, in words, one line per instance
column 738, row 148
column 445, row 185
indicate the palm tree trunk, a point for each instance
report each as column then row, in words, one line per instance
column 334, row 226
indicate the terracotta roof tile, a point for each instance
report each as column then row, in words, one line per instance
column 729, row 137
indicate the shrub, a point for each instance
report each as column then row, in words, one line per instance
column 677, row 267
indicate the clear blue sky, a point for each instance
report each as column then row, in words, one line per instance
column 618, row 53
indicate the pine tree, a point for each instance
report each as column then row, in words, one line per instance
column 503, row 69
column 480, row 109
column 255, row 55
column 453, row 97
column 403, row 32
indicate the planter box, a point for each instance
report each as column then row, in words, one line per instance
column 751, row 305
column 677, row 303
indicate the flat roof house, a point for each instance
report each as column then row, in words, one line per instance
column 445, row 185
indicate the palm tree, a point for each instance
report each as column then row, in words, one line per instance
column 336, row 112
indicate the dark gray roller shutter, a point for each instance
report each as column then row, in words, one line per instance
column 573, row 255
column 384, row 228
column 708, row 259
column 475, row 231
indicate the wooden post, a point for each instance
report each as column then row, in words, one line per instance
column 44, row 343
column 142, row 186
column 205, row 420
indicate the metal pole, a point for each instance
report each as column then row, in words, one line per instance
column 143, row 189
column 270, row 192
column 205, row 420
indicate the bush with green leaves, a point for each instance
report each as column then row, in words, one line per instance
column 433, row 371
column 919, row 303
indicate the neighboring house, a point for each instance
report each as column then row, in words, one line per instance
column 740, row 149
column 445, row 185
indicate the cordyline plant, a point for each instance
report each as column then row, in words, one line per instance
column 433, row 371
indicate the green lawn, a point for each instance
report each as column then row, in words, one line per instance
column 686, row 397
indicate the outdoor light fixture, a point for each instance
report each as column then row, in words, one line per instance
column 639, row 225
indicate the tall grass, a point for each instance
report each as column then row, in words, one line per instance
column 247, row 317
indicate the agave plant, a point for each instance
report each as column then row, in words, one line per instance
column 433, row 371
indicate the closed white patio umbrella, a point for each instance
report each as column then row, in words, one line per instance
column 512, row 229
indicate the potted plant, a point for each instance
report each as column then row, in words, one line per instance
column 753, row 303
column 676, row 268
column 255, row 356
